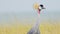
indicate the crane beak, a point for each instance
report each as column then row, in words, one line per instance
column 43, row 8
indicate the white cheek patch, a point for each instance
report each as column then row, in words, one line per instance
column 40, row 8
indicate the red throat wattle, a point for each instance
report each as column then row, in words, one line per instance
column 39, row 11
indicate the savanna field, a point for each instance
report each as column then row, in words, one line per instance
column 46, row 27
column 22, row 23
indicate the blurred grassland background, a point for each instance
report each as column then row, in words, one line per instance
column 21, row 23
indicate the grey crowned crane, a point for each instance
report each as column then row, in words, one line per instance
column 35, row 28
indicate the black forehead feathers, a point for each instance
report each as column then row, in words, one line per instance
column 41, row 5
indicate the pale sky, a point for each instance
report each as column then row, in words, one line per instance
column 26, row 5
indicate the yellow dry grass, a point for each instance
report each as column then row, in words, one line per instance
column 45, row 28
